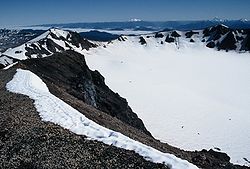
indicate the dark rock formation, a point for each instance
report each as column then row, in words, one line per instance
column 190, row 34
column 169, row 39
column 121, row 38
column 210, row 44
column 159, row 35
column 1, row 66
column 142, row 41
column 175, row 34
column 224, row 38
column 228, row 43
column 215, row 31
column 99, row 36
column 245, row 45
column 191, row 40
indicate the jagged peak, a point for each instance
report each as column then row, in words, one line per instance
column 217, row 19
column 219, row 26
column 52, row 32
column 243, row 20
column 59, row 32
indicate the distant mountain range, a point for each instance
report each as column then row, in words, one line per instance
column 55, row 40
column 155, row 26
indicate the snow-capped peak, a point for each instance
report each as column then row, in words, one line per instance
column 135, row 20
column 243, row 20
column 217, row 19
column 52, row 41
column 60, row 33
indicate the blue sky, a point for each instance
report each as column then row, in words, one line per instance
column 29, row 12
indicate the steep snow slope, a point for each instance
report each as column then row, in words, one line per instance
column 54, row 110
column 188, row 95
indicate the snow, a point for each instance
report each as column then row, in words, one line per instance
column 59, row 33
column 16, row 53
column 192, row 97
column 5, row 60
column 59, row 42
column 9, row 66
column 54, row 110
column 135, row 20
column 42, row 36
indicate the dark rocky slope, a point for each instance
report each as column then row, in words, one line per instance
column 69, row 71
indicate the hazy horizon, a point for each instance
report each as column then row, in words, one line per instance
column 25, row 13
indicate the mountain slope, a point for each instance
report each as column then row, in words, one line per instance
column 69, row 78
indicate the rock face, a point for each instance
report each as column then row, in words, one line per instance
column 69, row 71
column 169, row 39
column 215, row 32
column 142, row 41
column 224, row 38
column 99, row 36
column 175, row 34
column 210, row 44
column 159, row 35
column 189, row 34
column 246, row 43
column 228, row 43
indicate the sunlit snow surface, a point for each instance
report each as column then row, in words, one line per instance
column 54, row 110
column 189, row 96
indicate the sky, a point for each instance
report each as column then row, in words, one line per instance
column 33, row 12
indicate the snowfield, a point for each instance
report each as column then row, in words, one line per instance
column 189, row 96
column 54, row 110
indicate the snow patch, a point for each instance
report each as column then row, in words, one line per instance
column 42, row 36
column 16, row 53
column 9, row 66
column 4, row 60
